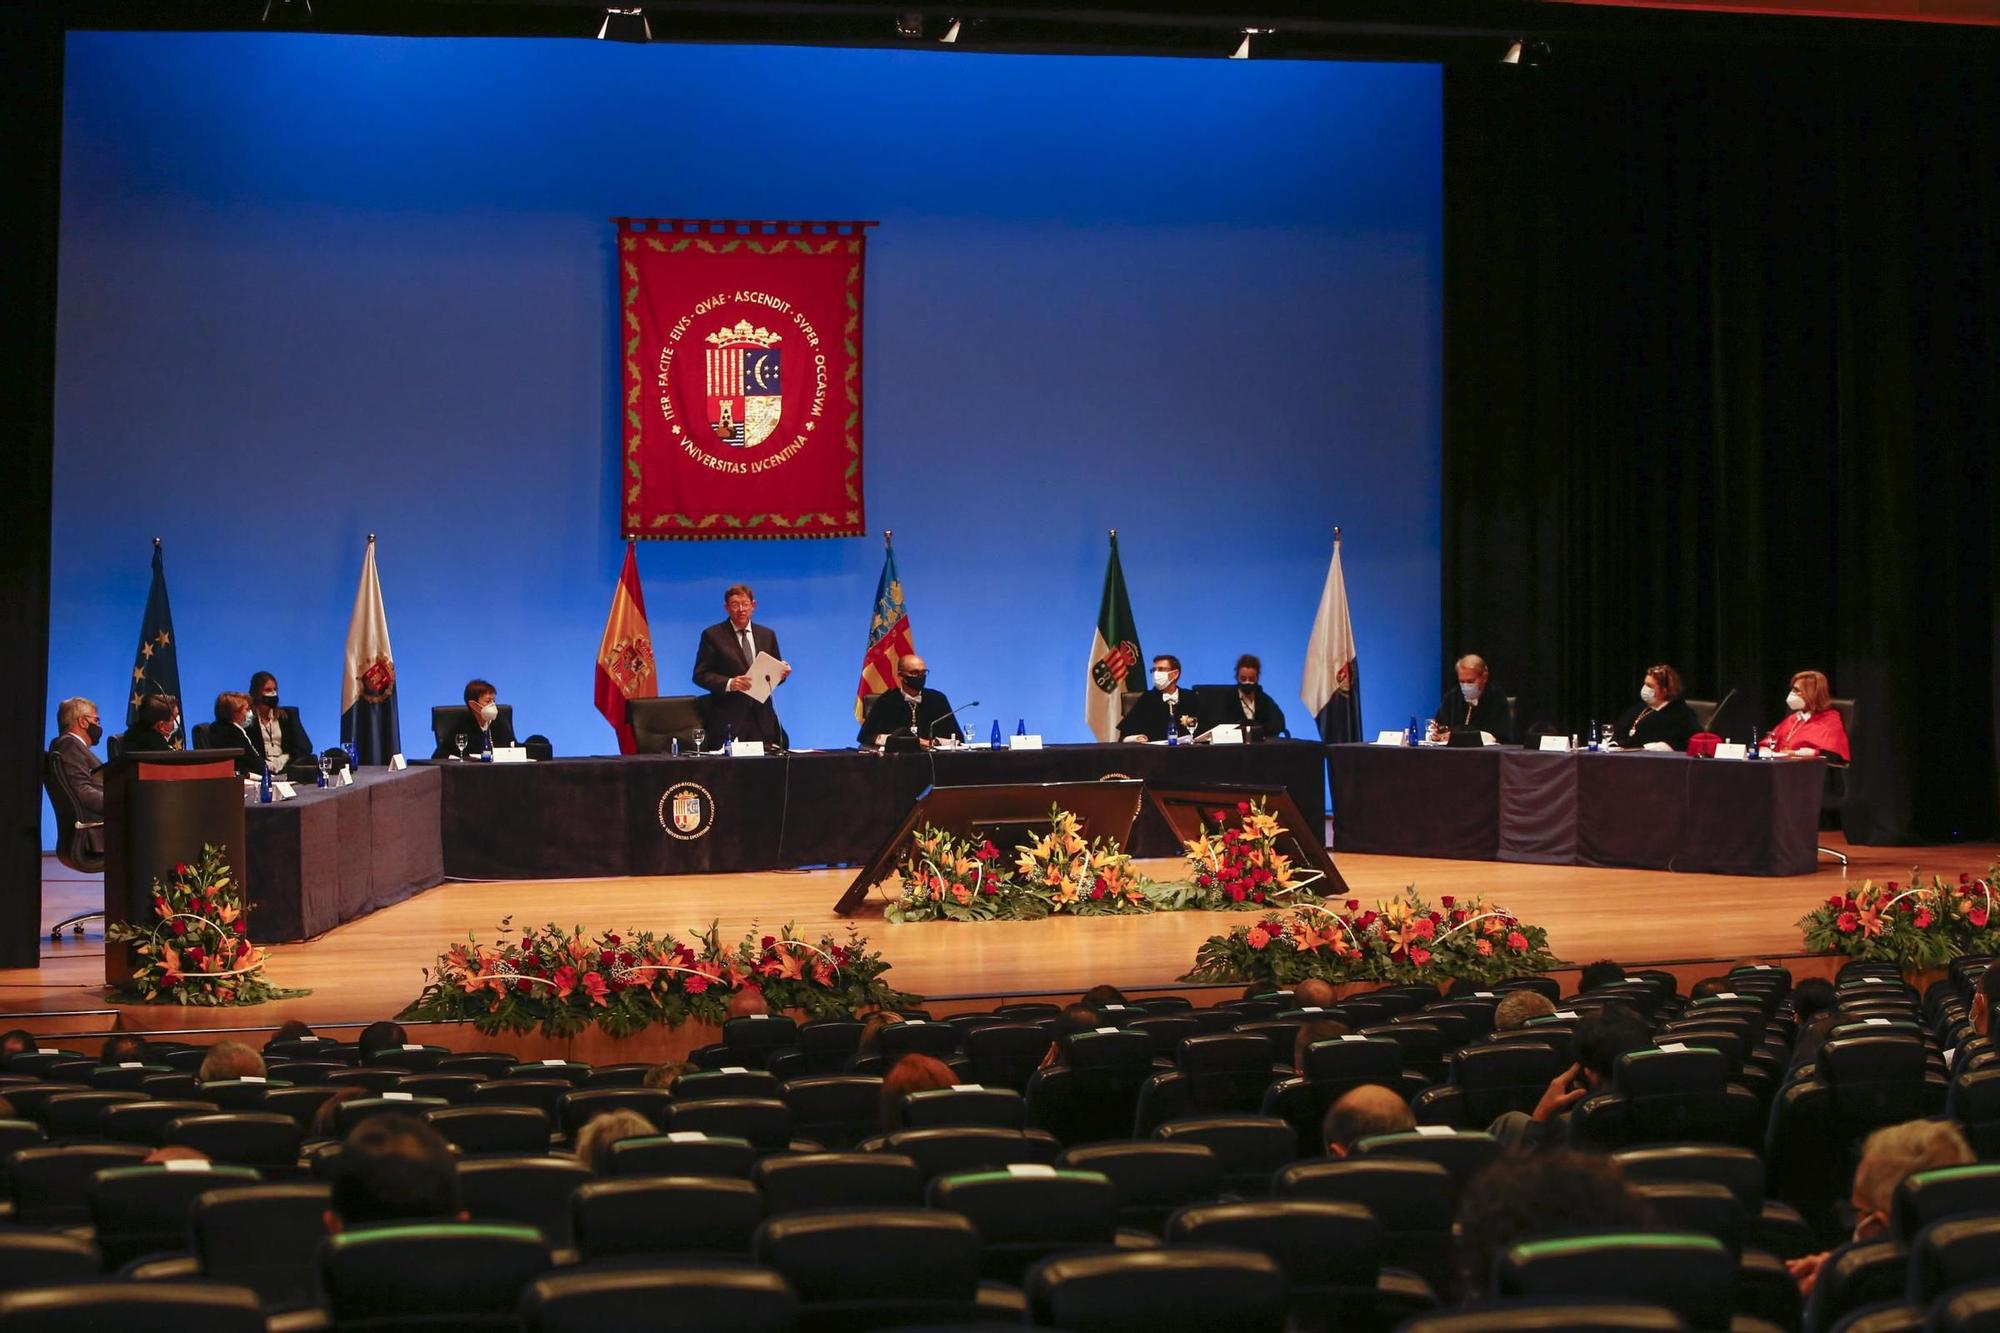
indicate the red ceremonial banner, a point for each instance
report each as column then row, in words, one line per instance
column 742, row 360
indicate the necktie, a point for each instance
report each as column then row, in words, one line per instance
column 749, row 653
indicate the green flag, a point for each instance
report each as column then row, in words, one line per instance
column 1115, row 661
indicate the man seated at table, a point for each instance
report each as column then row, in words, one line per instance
column 1251, row 707
column 1473, row 705
column 910, row 709
column 81, row 730
column 483, row 724
column 1166, row 707
column 277, row 730
column 232, row 731
column 157, row 727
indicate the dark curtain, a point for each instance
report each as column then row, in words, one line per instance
column 30, row 135
column 1722, row 366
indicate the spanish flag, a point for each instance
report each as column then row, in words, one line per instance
column 625, row 657
column 888, row 635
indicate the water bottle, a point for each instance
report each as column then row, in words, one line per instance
column 1751, row 752
column 1173, row 730
column 486, row 747
column 1412, row 735
column 676, row 746
column 353, row 756
column 1592, row 733
column 1021, row 727
column 264, row 787
column 996, row 742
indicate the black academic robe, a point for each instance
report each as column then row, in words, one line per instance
column 144, row 740
column 242, row 743
column 718, row 658
column 1267, row 716
column 891, row 713
column 1148, row 716
column 501, row 733
column 1489, row 714
column 1638, row 726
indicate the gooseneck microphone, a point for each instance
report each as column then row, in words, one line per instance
column 931, row 730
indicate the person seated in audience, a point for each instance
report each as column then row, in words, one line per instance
column 1313, row 993
column 124, row 1048
column 1251, row 707
column 157, row 727
column 276, row 727
column 1074, row 1018
column 1600, row 1039
column 1660, row 717
column 393, row 1168
column 1518, row 1198
column 1707, row 987
column 487, row 724
column 234, row 730
column 1473, row 705
column 379, row 1036
column 290, row 1030
column 173, row 1152
column 871, row 1033
column 1362, row 1112
column 746, row 1001
column 1888, row 1158
column 1812, row 725
column 1516, row 1007
column 1598, row 975
column 7, row 1111
column 229, row 1060
column 80, row 729
column 911, row 709
column 1097, row 997
column 600, row 1132
column 326, row 1117
column 1813, row 1004
column 1166, row 706
column 1319, row 1029
column 662, row 1077
column 913, row 1073
column 17, row 1041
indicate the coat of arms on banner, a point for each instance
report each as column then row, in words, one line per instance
column 744, row 395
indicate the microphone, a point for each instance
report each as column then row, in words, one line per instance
column 1719, row 707
column 931, row 730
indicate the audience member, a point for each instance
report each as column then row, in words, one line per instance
column 230, row 1059
column 871, row 1032
column 1600, row 1039
column 1097, row 997
column 17, row 1041
column 1814, row 995
column 1516, row 1007
column 661, row 1077
column 913, row 1073
column 1361, row 1112
column 7, row 1111
column 290, row 1030
column 1985, row 995
column 1312, row 993
column 326, row 1117
column 1598, row 975
column 1073, row 1019
column 393, row 1168
column 594, row 1140
column 234, row 730
column 747, row 1001
column 173, row 1152
column 124, row 1048
column 1319, row 1029
column 1523, row 1197
column 381, row 1036
column 1888, row 1157
column 1708, row 987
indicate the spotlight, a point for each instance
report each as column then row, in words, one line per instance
column 951, row 34
column 1527, row 51
column 269, row 4
column 625, row 25
column 910, row 25
column 1242, row 52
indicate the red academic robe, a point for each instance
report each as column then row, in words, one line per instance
column 1822, row 731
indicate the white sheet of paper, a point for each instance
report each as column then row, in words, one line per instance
column 1488, row 738
column 1659, row 745
column 764, row 673
column 1560, row 744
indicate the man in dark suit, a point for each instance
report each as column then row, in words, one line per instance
column 722, row 662
column 1251, row 707
column 81, row 730
column 481, row 724
column 911, row 710
column 277, row 730
column 155, row 730
column 1473, row 705
column 1165, row 705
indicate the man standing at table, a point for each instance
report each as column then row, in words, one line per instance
column 722, row 662
column 910, row 709
column 1473, row 705
column 1166, row 704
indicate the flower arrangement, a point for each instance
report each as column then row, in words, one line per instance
column 1239, row 867
column 195, row 948
column 950, row 878
column 1403, row 940
column 563, row 981
column 1918, row 927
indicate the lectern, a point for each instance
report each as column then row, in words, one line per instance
column 159, row 809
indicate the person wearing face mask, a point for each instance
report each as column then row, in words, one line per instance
column 1473, row 705
column 81, row 731
column 1147, row 719
column 911, row 709
column 1251, row 707
column 1660, row 717
column 1888, row 1158
column 1812, row 725
column 486, row 723
column 157, row 728
column 276, row 729
column 234, row 730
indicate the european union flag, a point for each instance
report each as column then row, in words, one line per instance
column 156, row 667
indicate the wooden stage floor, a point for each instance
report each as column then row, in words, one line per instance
column 370, row 968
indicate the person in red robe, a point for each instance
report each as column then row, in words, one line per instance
column 1813, row 725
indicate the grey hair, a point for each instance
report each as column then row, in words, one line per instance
column 69, row 710
column 1890, row 1155
column 1472, row 662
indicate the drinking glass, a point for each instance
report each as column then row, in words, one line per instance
column 700, row 739
column 459, row 741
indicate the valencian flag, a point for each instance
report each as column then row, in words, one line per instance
column 156, row 667
column 742, row 377
column 1114, row 654
column 368, row 681
column 1332, row 686
column 888, row 635
column 625, row 657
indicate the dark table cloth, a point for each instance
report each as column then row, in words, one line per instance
column 337, row 853
column 1642, row 809
column 610, row 816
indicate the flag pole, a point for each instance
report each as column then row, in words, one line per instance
column 1336, row 534
column 886, row 535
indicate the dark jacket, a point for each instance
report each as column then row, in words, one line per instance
column 891, row 713
column 718, row 658
column 1148, row 716
column 1489, row 714
column 1269, row 717
column 1637, row 726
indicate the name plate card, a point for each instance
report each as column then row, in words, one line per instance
column 745, row 749
column 397, row 764
column 1024, row 742
column 510, row 754
column 1731, row 750
column 1559, row 744
column 1390, row 738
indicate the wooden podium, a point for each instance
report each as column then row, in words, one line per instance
column 159, row 809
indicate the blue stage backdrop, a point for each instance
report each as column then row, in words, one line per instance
column 314, row 287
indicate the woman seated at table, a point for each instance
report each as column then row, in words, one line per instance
column 1812, row 726
column 232, row 732
column 1660, row 717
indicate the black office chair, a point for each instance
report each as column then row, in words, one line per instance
column 657, row 723
column 76, row 848
column 1839, row 776
column 449, row 720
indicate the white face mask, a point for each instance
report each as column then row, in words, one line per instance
column 1160, row 679
column 244, row 722
column 1470, row 689
column 1796, row 702
column 1647, row 695
column 486, row 713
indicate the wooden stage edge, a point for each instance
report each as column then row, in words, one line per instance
column 1694, row 925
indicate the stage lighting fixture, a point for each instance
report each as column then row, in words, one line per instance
column 1242, row 52
column 1527, row 51
column 910, row 25
column 270, row 4
column 951, row 34
column 625, row 25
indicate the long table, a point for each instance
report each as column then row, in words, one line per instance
column 616, row 816
column 336, row 853
column 1638, row 808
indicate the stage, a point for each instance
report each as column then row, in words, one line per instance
column 368, row 969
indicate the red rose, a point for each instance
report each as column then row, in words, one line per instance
column 180, row 927
column 770, row 942
column 1977, row 916
column 171, row 979
column 523, row 986
column 1353, row 904
column 1236, row 893
column 1892, row 886
column 181, row 869
column 1834, row 902
column 1097, row 890
column 1243, row 807
column 1923, row 917
column 242, row 947
column 1218, row 815
column 1256, row 895
column 612, row 940
column 527, row 943
column 1965, row 877
column 1447, row 902
column 242, row 926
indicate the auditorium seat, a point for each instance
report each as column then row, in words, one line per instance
column 1026, row 1213
column 1165, row 1004
column 683, row 1154
column 265, row 1237
column 453, row 1089
column 1094, row 1093
column 576, row 1073
column 1770, row 1225
column 30, row 1100
column 458, row 1275
column 80, row 1115
column 1331, row 1068
column 1560, row 1316
column 1696, row 1206
column 1498, row 1077
column 701, row 1084
column 31, row 1258
column 1028, row 1011
column 1970, row 1309
column 1423, row 1046
column 1282, row 1034
column 751, row 1038
column 1331, row 1254
column 798, row 1182
column 190, row 1307
column 1414, row 1202
column 139, row 1122
column 664, row 1219
column 301, row 1104
column 493, row 1128
column 139, row 1210
column 49, row 1184
column 1855, row 1277
column 631, row 1074
column 670, row 1300
column 348, row 1114
column 1544, row 986
column 1953, row 1253
column 578, row 1108
column 766, row 1122
column 1005, row 1056
column 1692, row 1275
column 940, row 1152
column 1974, row 1102
column 1165, row 1031
column 865, row 1268
column 533, row 1191
column 967, row 1104
column 373, row 1079
column 1159, row 1291
column 267, row 1140
column 1249, row 1148
column 484, row 1065
column 1949, row 1191
column 1226, row 1071
column 1464, row 1153
column 940, row 1041
column 835, row 1110
column 239, row 1094
column 545, row 1094
column 658, row 722
column 124, row 1077
column 1152, row 1179
column 37, row 1061
column 825, row 1044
